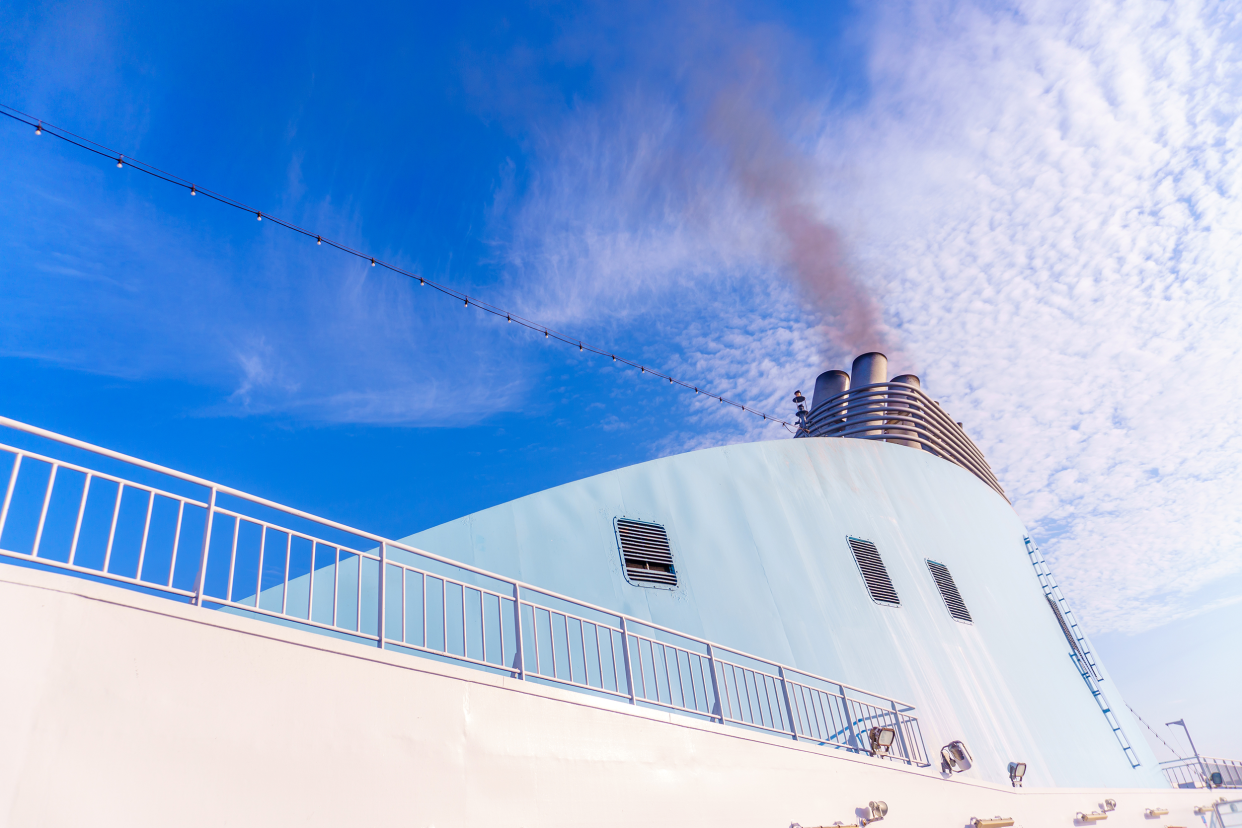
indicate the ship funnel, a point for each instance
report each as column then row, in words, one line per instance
column 905, row 405
column 864, row 404
column 828, row 385
column 868, row 369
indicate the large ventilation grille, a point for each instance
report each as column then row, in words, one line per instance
column 948, row 591
column 645, row 551
column 871, row 565
column 1069, row 636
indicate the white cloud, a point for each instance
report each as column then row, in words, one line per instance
column 1062, row 257
column 1044, row 198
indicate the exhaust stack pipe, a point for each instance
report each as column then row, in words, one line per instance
column 867, row 369
column 827, row 386
column 901, row 402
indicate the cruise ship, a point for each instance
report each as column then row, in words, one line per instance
column 845, row 628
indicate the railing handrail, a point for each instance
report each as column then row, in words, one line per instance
column 1202, row 758
column 899, row 412
column 713, row 650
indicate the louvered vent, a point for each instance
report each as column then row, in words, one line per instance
column 872, row 568
column 645, row 551
column 948, row 591
column 1069, row 636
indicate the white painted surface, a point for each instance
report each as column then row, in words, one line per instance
column 121, row 709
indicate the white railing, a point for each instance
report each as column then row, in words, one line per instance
column 898, row 413
column 1197, row 772
column 102, row 515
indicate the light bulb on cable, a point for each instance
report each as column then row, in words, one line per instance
column 120, row 162
column 39, row 128
column 318, row 239
column 193, row 190
column 258, row 216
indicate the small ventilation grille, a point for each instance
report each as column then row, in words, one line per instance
column 948, row 591
column 872, row 568
column 1069, row 636
column 644, row 549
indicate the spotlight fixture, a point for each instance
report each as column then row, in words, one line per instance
column 955, row 758
column 881, row 739
column 876, row 809
column 1155, row 812
column 991, row 822
column 1017, row 770
column 1217, row 780
column 1110, row 805
column 1094, row 816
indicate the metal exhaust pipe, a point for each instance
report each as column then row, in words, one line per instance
column 907, row 405
column 828, row 385
column 867, row 369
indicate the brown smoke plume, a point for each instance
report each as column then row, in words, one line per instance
column 773, row 173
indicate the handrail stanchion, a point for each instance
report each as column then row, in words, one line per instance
column 849, row 718
column 901, row 734
column 625, row 651
column 202, row 558
column 520, row 656
column 793, row 728
column 8, row 492
column 383, row 580
column 711, row 663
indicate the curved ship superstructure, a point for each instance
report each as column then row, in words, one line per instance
column 808, row 630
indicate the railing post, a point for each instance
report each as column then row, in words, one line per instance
column 517, row 619
column 793, row 727
column 849, row 714
column 711, row 664
column 202, row 558
column 901, row 732
column 8, row 492
column 383, row 592
column 625, row 651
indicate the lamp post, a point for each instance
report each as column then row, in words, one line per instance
column 1193, row 749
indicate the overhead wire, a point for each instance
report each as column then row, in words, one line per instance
column 1172, row 750
column 124, row 161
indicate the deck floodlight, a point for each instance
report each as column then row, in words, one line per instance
column 876, row 809
column 1017, row 770
column 955, row 758
column 881, row 740
column 1216, row 779
column 1110, row 805
column 1155, row 812
column 1094, row 816
column 992, row 822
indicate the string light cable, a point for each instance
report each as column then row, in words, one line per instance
column 1173, row 751
column 124, row 161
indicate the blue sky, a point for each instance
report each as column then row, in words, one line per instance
column 1036, row 202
